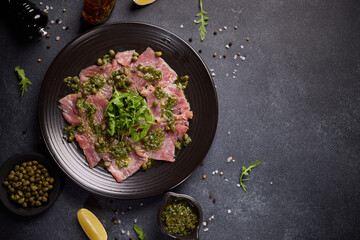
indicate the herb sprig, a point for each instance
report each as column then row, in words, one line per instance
column 139, row 232
column 24, row 80
column 246, row 171
column 128, row 115
column 202, row 20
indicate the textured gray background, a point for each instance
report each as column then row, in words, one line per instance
column 294, row 102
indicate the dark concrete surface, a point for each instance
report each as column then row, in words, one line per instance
column 294, row 102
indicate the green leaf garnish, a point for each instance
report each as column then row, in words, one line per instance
column 139, row 232
column 24, row 80
column 202, row 20
column 246, row 171
column 128, row 115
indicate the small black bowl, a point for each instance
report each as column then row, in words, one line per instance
column 168, row 198
column 18, row 159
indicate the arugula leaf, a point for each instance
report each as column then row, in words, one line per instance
column 202, row 20
column 128, row 115
column 245, row 172
column 139, row 232
column 24, row 80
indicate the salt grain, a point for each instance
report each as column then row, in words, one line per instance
column 212, row 217
column 51, row 7
column 211, row 70
column 235, row 56
column 141, row 204
column 52, row 21
column 128, row 233
column 234, row 77
column 226, row 180
column 225, row 27
column 241, row 46
column 204, row 224
column 238, row 185
column 57, row 38
column 220, row 29
column 213, row 74
column 206, row 229
column 181, row 26
column 229, row 211
column 271, row 183
column 135, row 220
column 216, row 171
column 227, row 74
column 123, row 231
column 229, row 159
column 228, row 131
column 227, row 46
column 41, row 3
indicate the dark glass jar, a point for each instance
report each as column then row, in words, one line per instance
column 97, row 11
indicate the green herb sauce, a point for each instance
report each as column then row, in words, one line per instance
column 93, row 84
column 179, row 217
column 159, row 92
column 73, row 83
column 149, row 73
column 120, row 151
column 182, row 82
column 148, row 164
column 154, row 139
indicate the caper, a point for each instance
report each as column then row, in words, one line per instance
column 107, row 164
column 186, row 136
column 71, row 138
column 16, row 167
column 167, row 128
column 23, row 164
column 134, row 59
column 93, row 91
column 128, row 81
column 35, row 162
column 28, row 168
column 99, row 62
column 111, row 53
column 51, row 187
column 33, row 188
column 24, row 204
column 173, row 128
column 158, row 54
column 6, row 183
column 37, row 203
column 21, row 200
column 44, row 199
column 155, row 103
column 135, row 54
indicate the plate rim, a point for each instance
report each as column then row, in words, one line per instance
column 64, row 49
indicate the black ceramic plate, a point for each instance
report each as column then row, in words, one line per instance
column 18, row 159
column 83, row 52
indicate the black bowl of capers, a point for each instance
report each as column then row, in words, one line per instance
column 30, row 184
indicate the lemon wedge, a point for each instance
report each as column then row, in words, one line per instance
column 143, row 2
column 91, row 225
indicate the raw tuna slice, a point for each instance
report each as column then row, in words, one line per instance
column 69, row 109
column 124, row 58
column 86, row 142
column 167, row 150
column 100, row 103
column 104, row 71
column 148, row 58
column 120, row 174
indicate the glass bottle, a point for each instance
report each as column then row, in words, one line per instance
column 97, row 11
column 28, row 17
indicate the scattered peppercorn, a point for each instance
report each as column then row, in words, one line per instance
column 245, row 55
column 57, row 20
column 215, row 32
column 48, row 27
column 39, row 60
column 247, row 39
column 48, row 46
column 64, row 10
column 116, row 238
column 39, row 38
column 114, row 220
column 204, row 176
column 24, row 131
column 224, row 56
column 214, row 54
column 130, row 237
column 200, row 50
column 190, row 39
column 214, row 200
column 236, row 27
column 210, row 196
column 231, row 43
column 238, row 54
column 202, row 163
column 47, row 35
column 221, row 173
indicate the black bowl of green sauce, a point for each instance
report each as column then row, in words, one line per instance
column 180, row 216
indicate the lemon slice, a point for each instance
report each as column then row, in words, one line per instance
column 91, row 225
column 143, row 2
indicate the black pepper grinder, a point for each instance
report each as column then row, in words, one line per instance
column 29, row 18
